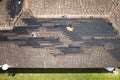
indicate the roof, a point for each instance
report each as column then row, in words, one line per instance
column 71, row 8
column 89, row 45
column 46, row 35
column 3, row 12
column 9, row 10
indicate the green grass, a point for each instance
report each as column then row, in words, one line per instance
column 62, row 76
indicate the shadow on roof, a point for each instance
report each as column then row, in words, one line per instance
column 56, row 70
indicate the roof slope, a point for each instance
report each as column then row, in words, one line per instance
column 45, row 44
column 43, row 8
column 36, row 42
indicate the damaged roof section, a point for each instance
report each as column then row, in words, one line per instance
column 14, row 7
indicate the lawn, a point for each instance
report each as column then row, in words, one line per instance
column 62, row 76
